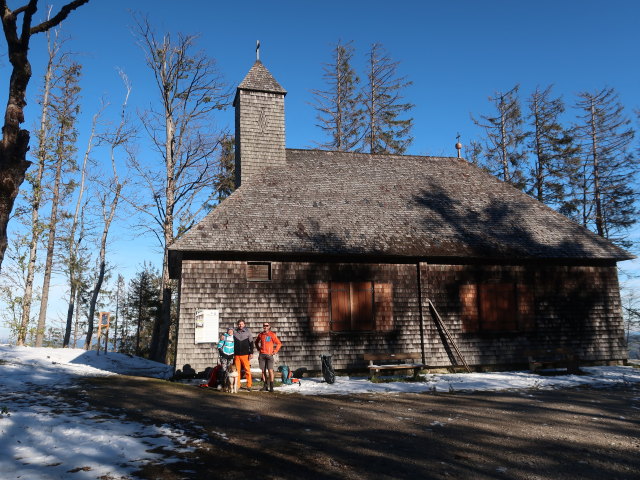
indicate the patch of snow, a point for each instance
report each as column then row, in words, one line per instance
column 599, row 377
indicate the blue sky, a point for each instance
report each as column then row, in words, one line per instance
column 457, row 54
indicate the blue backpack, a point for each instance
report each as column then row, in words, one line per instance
column 286, row 374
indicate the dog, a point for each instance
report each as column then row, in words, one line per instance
column 231, row 382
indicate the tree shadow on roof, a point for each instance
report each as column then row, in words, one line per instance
column 502, row 228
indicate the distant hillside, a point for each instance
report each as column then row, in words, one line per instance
column 634, row 346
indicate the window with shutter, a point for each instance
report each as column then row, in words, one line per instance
column 351, row 306
column 496, row 307
column 258, row 271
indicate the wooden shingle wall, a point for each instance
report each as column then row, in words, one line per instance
column 295, row 302
column 575, row 307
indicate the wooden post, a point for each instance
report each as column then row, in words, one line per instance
column 103, row 322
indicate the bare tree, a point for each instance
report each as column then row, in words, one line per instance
column 190, row 90
column 12, row 283
column 119, row 138
column 74, row 262
column 340, row 113
column 35, row 180
column 15, row 141
column 474, row 152
column 64, row 106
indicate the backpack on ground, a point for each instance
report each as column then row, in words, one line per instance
column 327, row 369
column 214, row 376
column 286, row 374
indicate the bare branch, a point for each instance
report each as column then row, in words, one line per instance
column 58, row 18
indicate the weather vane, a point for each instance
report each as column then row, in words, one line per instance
column 257, row 50
column 458, row 144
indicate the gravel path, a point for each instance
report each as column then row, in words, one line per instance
column 537, row 434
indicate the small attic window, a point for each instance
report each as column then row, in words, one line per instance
column 258, row 271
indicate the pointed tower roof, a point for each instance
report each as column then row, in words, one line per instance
column 261, row 80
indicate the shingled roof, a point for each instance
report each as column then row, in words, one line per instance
column 335, row 203
column 260, row 79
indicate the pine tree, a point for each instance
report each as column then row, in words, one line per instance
column 385, row 130
column 340, row 114
column 65, row 109
column 226, row 178
column 553, row 151
column 142, row 308
column 504, row 156
column 605, row 191
column 35, row 196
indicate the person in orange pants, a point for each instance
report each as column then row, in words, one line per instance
column 243, row 347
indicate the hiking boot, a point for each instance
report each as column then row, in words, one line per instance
column 271, row 386
column 264, row 387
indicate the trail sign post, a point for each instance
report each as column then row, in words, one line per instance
column 103, row 323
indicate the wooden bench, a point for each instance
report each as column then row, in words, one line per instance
column 389, row 361
column 553, row 358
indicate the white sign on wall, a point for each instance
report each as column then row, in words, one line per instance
column 207, row 326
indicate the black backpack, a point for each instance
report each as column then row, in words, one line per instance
column 327, row 369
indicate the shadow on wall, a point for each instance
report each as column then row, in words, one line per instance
column 574, row 306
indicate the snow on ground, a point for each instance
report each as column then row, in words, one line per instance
column 43, row 438
column 469, row 382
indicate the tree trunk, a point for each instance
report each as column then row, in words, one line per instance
column 70, row 310
column 103, row 261
column 48, row 268
column 503, row 143
column 597, row 197
column 36, row 228
column 15, row 142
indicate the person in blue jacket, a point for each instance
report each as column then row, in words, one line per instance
column 226, row 348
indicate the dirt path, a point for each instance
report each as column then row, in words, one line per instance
column 560, row 434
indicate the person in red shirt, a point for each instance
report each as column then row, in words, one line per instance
column 268, row 345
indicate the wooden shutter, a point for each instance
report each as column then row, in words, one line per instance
column 469, row 304
column 497, row 305
column 526, row 306
column 319, row 307
column 340, row 306
column 361, row 306
column 383, row 302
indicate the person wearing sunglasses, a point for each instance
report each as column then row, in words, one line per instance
column 268, row 345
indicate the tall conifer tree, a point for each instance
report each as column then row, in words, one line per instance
column 553, row 150
column 64, row 112
column 385, row 129
column 339, row 109
column 605, row 190
column 504, row 156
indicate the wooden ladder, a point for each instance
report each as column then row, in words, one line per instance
column 448, row 335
